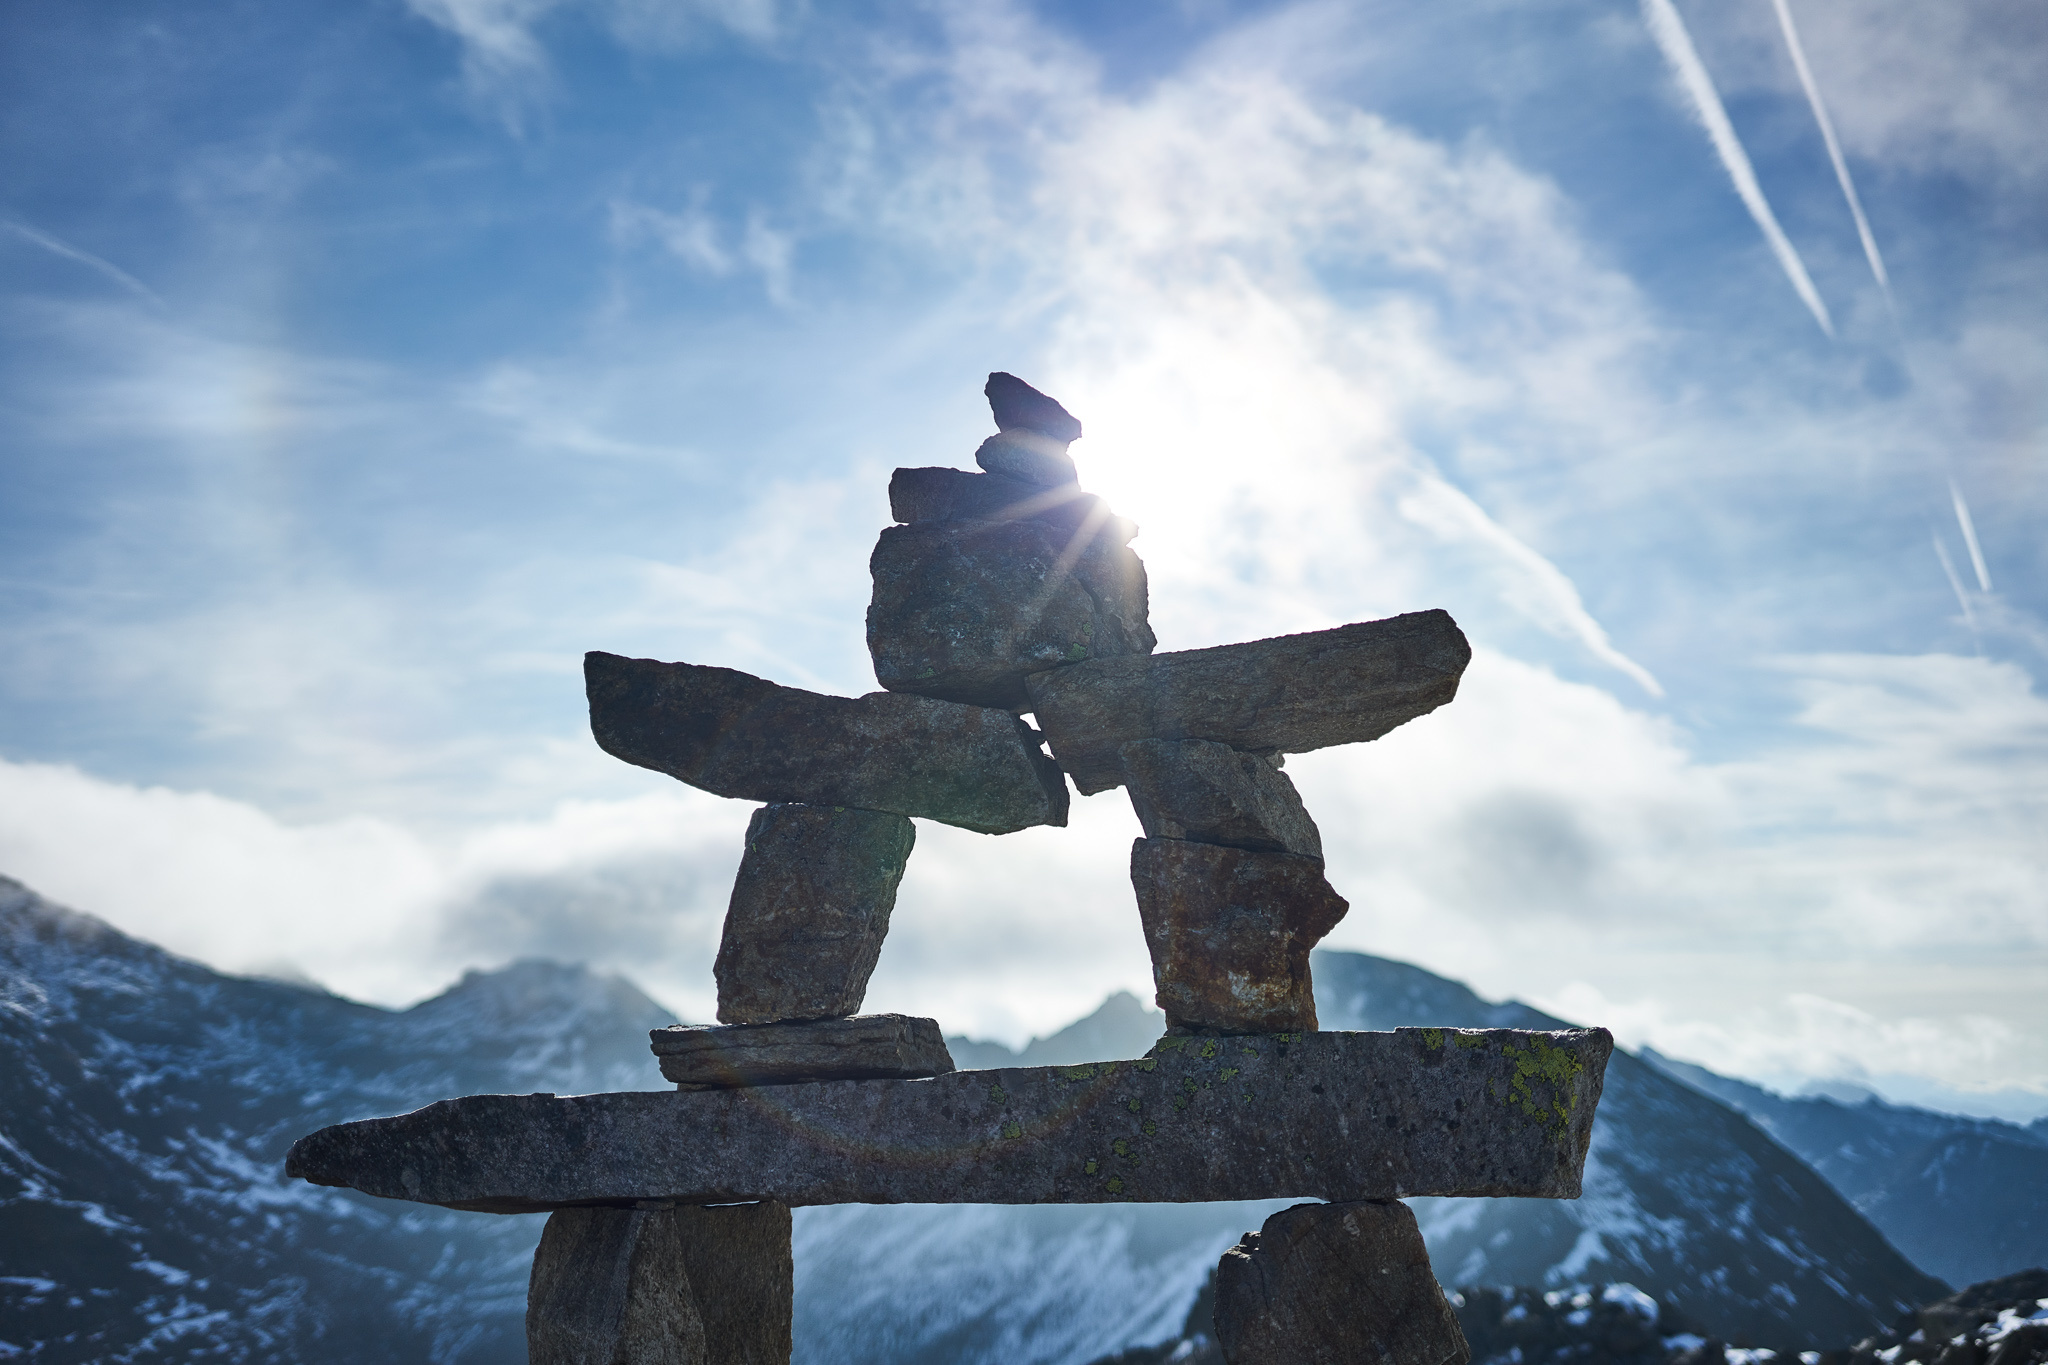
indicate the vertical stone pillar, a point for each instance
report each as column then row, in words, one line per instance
column 1335, row 1284
column 660, row 1285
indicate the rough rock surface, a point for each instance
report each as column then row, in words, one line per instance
column 1019, row 407
column 733, row 734
column 1029, row 458
column 1213, row 794
column 1997, row 1322
column 963, row 611
column 1335, row 1284
column 610, row 1287
column 940, row 494
column 742, row 1275
column 809, row 911
column 1496, row 1112
column 865, row 1047
column 1285, row 695
column 1230, row 933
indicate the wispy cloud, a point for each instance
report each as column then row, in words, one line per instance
column 1955, row 493
column 1669, row 30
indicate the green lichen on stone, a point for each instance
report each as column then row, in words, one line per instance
column 1229, row 1072
column 1433, row 1039
column 1170, row 1044
column 1121, row 1147
column 1209, row 1049
column 1115, row 1184
column 1190, row 1084
column 1468, row 1040
column 1083, row 1072
column 1247, row 1097
column 1556, row 1067
column 929, row 673
column 1133, row 1105
column 1013, row 1129
column 1076, row 652
column 1149, row 1127
column 1247, row 1047
column 1147, row 1063
column 996, row 1095
column 1092, row 1167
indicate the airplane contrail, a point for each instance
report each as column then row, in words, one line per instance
column 1948, row 566
column 1669, row 31
column 84, row 258
column 1970, row 536
column 1827, row 133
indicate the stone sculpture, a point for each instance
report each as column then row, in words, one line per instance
column 999, row 593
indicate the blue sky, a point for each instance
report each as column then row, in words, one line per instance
column 366, row 364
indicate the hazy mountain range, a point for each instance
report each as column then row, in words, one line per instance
column 146, row 1103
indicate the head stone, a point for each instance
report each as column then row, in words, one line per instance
column 1019, row 407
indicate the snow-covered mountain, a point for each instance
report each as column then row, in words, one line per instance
column 146, row 1103
column 1963, row 1198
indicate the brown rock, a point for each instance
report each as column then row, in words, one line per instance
column 809, row 911
column 733, row 734
column 1019, row 407
column 865, row 1047
column 1027, row 457
column 1335, row 1284
column 1427, row 1111
column 937, row 494
column 1286, row 695
column 610, row 1287
column 1230, row 932
column 964, row 611
column 1210, row 793
column 742, row 1275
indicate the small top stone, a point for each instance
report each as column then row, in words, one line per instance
column 1019, row 407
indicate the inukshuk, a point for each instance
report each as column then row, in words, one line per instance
column 1006, row 592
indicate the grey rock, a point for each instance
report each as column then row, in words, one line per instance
column 865, row 1047
column 736, row 735
column 1230, row 932
column 1213, row 794
column 938, row 494
column 809, row 911
column 1029, row 458
column 1019, row 407
column 610, row 1287
column 964, row 611
column 742, row 1276
column 1335, row 1284
column 1285, row 695
column 1495, row 1112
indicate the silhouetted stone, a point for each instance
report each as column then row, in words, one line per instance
column 1210, row 793
column 610, row 1287
column 1230, row 932
column 937, row 494
column 809, row 911
column 965, row 610
column 1335, row 1284
column 1287, row 695
column 1496, row 1112
column 1019, row 407
column 1027, row 457
column 865, row 1047
column 742, row 1275
column 733, row 734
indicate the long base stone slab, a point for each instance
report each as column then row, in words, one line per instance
column 1336, row 1116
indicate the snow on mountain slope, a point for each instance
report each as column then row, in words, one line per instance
column 1964, row 1198
column 146, row 1103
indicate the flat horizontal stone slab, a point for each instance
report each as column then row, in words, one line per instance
column 864, row 1047
column 733, row 734
column 1289, row 695
column 1337, row 1116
